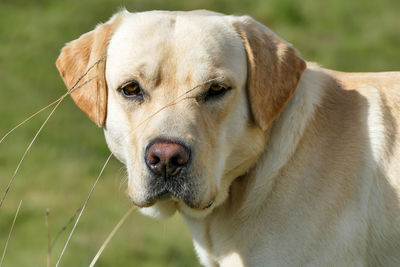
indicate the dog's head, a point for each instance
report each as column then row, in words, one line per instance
column 185, row 98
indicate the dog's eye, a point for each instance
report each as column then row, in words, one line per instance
column 132, row 90
column 216, row 90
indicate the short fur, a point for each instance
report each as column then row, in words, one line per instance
column 296, row 165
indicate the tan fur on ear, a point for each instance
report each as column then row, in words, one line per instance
column 274, row 70
column 77, row 57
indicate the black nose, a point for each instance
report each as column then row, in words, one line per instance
column 167, row 158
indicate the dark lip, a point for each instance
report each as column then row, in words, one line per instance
column 209, row 204
column 161, row 195
column 164, row 195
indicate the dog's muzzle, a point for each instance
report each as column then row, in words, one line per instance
column 169, row 162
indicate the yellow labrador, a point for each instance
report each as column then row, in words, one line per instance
column 271, row 160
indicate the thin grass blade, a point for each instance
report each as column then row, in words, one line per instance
column 9, row 234
column 27, row 150
column 111, row 235
column 83, row 208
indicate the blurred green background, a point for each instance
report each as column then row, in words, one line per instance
column 62, row 165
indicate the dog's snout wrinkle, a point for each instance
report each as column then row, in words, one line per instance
column 167, row 158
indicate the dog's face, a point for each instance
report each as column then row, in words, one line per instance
column 177, row 108
column 185, row 98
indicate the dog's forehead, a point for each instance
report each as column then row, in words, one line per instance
column 200, row 41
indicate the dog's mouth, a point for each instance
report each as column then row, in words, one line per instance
column 182, row 189
column 166, row 194
column 188, row 199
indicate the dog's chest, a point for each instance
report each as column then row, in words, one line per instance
column 267, row 239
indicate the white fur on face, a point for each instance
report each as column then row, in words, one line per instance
column 168, row 54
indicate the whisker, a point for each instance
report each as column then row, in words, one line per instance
column 9, row 234
column 124, row 177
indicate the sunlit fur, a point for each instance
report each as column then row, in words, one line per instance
column 301, row 164
column 224, row 142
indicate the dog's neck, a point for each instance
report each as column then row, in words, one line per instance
column 284, row 137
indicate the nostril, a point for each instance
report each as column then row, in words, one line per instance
column 177, row 161
column 153, row 159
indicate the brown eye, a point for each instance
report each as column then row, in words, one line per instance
column 216, row 90
column 217, row 87
column 132, row 90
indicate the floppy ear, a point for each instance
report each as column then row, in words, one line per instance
column 88, row 52
column 274, row 70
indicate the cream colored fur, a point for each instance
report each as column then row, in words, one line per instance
column 319, row 185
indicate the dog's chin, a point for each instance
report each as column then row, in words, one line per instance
column 161, row 209
column 164, row 207
column 161, row 200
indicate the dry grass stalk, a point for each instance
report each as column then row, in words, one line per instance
column 28, row 119
column 65, row 227
column 48, row 238
column 175, row 101
column 26, row 152
column 111, row 235
column 9, row 234
column 83, row 208
column 73, row 89
column 57, row 102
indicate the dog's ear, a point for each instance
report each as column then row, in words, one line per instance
column 88, row 52
column 274, row 70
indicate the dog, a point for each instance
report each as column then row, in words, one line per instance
column 271, row 160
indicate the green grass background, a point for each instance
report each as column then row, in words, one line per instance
column 65, row 160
